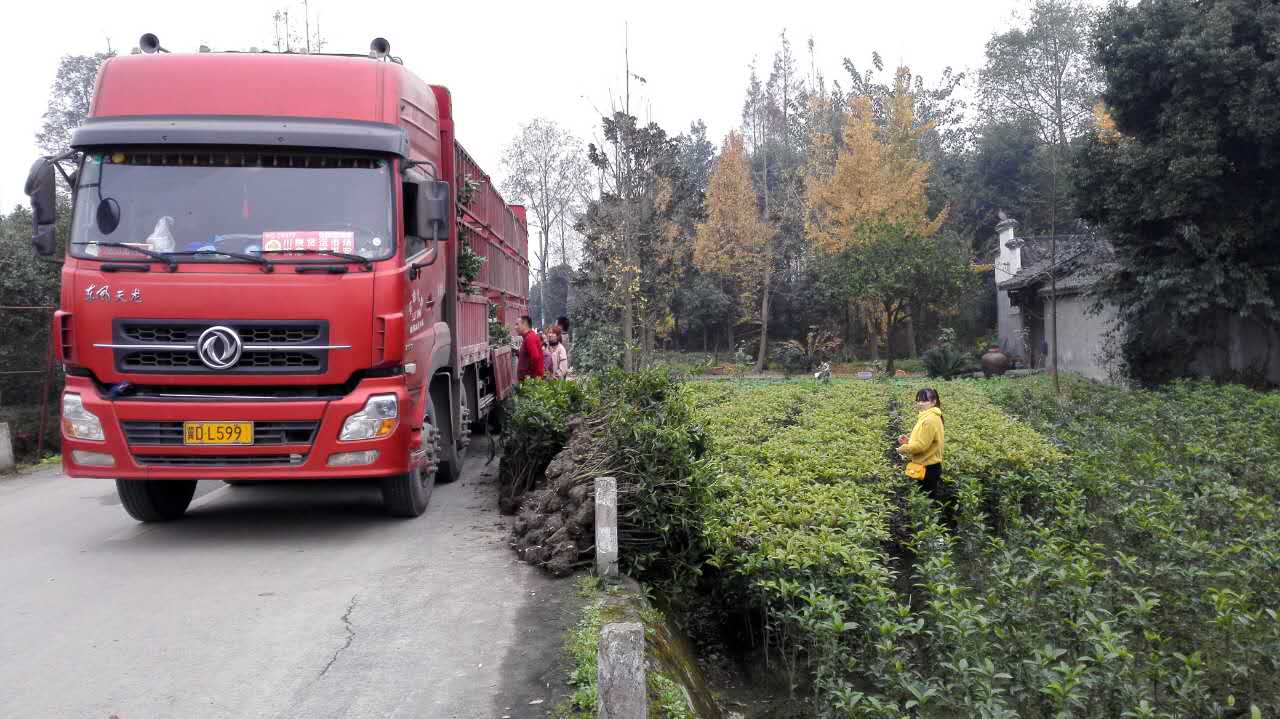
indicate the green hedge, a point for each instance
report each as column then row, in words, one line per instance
column 1130, row 570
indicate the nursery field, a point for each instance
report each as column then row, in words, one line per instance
column 1117, row 552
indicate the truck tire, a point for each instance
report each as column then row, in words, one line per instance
column 155, row 500
column 450, row 463
column 407, row 495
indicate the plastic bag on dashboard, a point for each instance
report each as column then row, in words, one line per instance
column 161, row 238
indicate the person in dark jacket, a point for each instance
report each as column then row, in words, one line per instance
column 530, row 363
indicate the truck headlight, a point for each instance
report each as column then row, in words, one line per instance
column 379, row 418
column 78, row 422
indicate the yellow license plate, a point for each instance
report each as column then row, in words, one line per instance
column 217, row 432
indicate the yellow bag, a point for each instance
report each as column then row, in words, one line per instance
column 915, row 470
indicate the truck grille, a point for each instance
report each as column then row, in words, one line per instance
column 251, row 334
column 219, row 460
column 153, row 360
column 269, row 347
column 264, row 433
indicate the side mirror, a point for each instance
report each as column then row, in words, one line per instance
column 431, row 220
column 40, row 187
column 433, row 209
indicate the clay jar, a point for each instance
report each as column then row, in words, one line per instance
column 994, row 362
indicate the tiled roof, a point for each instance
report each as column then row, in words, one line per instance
column 1078, row 256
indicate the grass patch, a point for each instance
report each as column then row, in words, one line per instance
column 667, row 699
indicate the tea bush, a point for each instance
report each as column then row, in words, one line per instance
column 535, row 428
column 1127, row 565
column 1000, row 467
column 644, row 435
column 798, row 503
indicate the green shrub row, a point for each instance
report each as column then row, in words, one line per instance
column 535, row 427
column 640, row 430
column 1142, row 585
column 798, row 505
column 1173, row 541
column 999, row 466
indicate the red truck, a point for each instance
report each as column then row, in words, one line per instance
column 262, row 277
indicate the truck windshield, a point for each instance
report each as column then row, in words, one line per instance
column 236, row 201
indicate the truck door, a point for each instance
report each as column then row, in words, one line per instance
column 423, row 298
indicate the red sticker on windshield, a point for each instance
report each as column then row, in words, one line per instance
column 326, row 241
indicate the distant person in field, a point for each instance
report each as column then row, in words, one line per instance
column 563, row 323
column 548, row 360
column 530, row 363
column 557, row 352
column 925, row 446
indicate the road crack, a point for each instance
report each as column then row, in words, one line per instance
column 351, row 634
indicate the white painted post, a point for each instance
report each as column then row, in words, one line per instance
column 6, row 449
column 607, row 528
column 620, row 672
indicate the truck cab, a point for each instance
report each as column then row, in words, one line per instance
column 261, row 279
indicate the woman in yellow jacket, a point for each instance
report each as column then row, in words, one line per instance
column 925, row 446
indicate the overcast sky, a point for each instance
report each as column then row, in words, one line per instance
column 506, row 63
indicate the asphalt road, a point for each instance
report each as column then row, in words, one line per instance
column 280, row 600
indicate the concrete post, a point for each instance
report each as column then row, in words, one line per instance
column 6, row 448
column 621, row 672
column 607, row 528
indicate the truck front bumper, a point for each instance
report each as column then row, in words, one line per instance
column 153, row 448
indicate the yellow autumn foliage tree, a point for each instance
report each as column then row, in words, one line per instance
column 879, row 180
column 868, row 213
column 734, row 242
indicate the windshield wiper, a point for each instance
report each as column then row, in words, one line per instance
column 365, row 261
column 263, row 262
column 157, row 256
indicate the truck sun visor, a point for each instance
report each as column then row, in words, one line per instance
column 293, row 132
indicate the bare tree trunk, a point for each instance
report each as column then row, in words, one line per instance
column 764, row 321
column 628, row 332
column 872, row 325
column 628, row 309
column 909, row 334
column 891, row 324
column 542, row 278
column 848, row 326
column 1053, row 275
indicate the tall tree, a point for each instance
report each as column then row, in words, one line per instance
column 733, row 242
column 1045, row 72
column 938, row 112
column 628, row 236
column 1187, row 182
column 545, row 169
column 870, row 215
column 69, row 100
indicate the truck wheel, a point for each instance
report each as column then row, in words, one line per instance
column 450, row 463
column 155, row 500
column 407, row 495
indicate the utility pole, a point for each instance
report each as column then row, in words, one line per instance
column 1053, row 273
column 306, row 23
column 628, row 310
